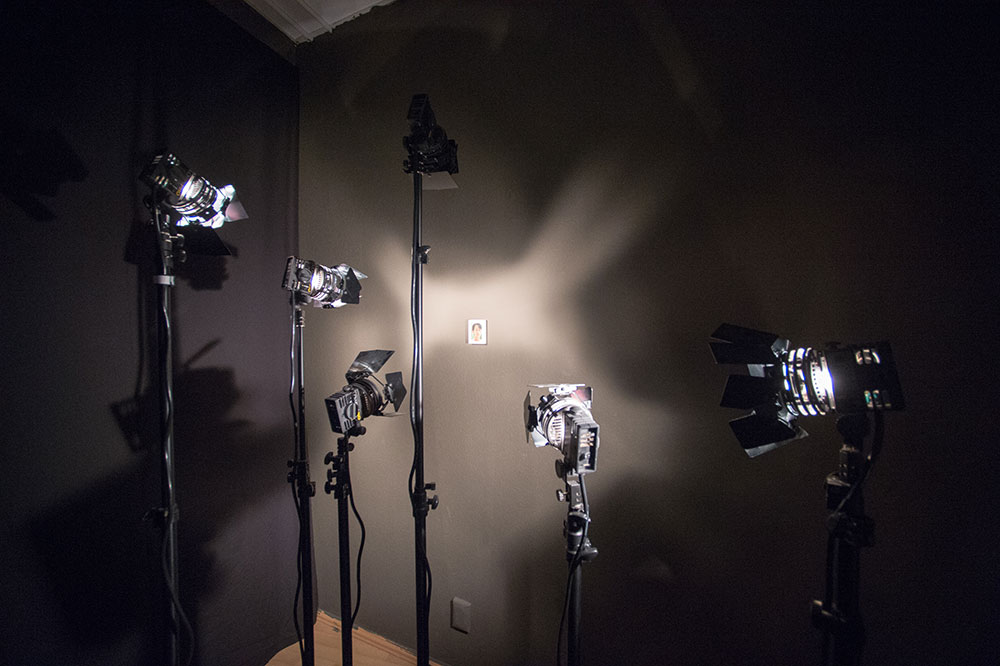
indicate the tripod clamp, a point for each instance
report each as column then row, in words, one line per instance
column 578, row 546
column 422, row 504
column 298, row 475
column 338, row 480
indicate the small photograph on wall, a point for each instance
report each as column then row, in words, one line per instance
column 477, row 332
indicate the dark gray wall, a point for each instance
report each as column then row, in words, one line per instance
column 90, row 91
column 632, row 175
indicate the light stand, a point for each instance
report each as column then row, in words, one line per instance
column 785, row 383
column 838, row 614
column 363, row 396
column 578, row 550
column 339, row 484
column 321, row 286
column 303, row 488
column 430, row 151
column 562, row 419
column 177, row 189
column 418, row 490
column 168, row 512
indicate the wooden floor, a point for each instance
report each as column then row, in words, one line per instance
column 368, row 649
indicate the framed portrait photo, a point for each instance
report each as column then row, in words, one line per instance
column 476, row 332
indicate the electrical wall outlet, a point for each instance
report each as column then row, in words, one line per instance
column 461, row 615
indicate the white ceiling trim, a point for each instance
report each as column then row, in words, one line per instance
column 304, row 20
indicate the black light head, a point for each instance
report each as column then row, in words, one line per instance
column 783, row 384
column 430, row 149
column 364, row 394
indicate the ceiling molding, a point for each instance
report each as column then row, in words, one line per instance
column 304, row 20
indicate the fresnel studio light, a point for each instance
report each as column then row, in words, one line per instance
column 178, row 198
column 309, row 282
column 857, row 382
column 364, row 394
column 785, row 383
column 562, row 419
column 321, row 286
column 191, row 196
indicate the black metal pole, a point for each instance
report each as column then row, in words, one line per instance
column 304, row 489
column 167, row 512
column 579, row 549
column 165, row 281
column 839, row 614
column 575, row 610
column 342, row 492
column 419, row 492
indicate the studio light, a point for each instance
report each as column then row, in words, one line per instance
column 432, row 154
column 430, row 149
column 322, row 286
column 562, row 419
column 364, row 394
column 858, row 383
column 176, row 188
column 177, row 192
column 785, row 383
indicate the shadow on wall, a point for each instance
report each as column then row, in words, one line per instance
column 224, row 467
column 34, row 162
column 207, row 443
column 101, row 558
column 540, row 582
column 670, row 587
column 101, row 552
column 221, row 466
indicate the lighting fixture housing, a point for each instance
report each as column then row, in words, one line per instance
column 364, row 394
column 785, row 383
column 321, row 285
column 430, row 149
column 562, row 419
column 177, row 188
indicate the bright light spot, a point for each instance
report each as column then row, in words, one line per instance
column 534, row 302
